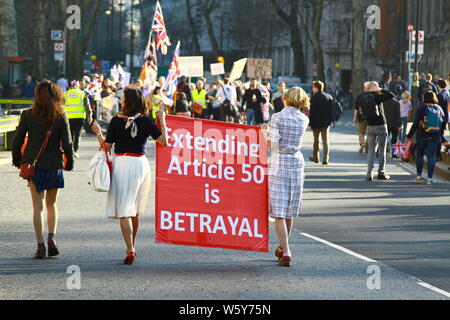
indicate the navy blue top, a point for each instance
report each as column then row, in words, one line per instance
column 28, row 89
column 420, row 116
column 122, row 139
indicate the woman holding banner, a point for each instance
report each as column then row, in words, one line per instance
column 286, row 168
column 130, row 185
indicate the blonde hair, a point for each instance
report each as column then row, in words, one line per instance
column 297, row 97
column 406, row 96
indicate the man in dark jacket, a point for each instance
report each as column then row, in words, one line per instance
column 184, row 87
column 444, row 103
column 370, row 105
column 427, row 85
column 391, row 110
column 320, row 121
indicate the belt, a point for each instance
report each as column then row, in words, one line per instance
column 130, row 155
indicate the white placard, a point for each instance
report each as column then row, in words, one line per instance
column 191, row 66
column 59, row 56
column 217, row 69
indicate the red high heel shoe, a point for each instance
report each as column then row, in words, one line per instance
column 129, row 260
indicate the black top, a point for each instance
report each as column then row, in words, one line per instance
column 51, row 158
column 320, row 114
column 380, row 97
column 184, row 87
column 182, row 106
column 391, row 110
column 248, row 98
column 122, row 139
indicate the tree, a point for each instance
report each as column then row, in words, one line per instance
column 358, row 42
column 194, row 27
column 78, row 40
column 206, row 8
column 291, row 18
column 8, row 34
column 317, row 44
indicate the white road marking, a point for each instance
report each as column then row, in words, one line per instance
column 345, row 250
column 429, row 286
column 339, row 248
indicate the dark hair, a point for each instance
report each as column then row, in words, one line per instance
column 134, row 103
column 319, row 85
column 156, row 90
column 182, row 96
column 430, row 97
column 48, row 103
column 442, row 84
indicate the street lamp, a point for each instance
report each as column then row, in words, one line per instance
column 121, row 5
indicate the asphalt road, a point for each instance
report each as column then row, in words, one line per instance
column 400, row 230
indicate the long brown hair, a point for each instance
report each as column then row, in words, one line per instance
column 48, row 103
column 134, row 103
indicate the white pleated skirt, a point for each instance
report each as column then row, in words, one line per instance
column 130, row 187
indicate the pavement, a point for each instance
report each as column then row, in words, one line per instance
column 355, row 240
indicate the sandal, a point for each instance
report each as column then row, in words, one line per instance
column 279, row 253
column 129, row 260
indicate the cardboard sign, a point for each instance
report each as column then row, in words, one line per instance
column 217, row 69
column 191, row 66
column 238, row 69
column 259, row 68
column 211, row 186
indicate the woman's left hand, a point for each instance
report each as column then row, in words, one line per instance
column 96, row 128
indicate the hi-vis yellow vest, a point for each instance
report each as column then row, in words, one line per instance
column 200, row 97
column 154, row 106
column 75, row 104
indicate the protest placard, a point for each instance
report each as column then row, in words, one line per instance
column 238, row 69
column 191, row 66
column 211, row 186
column 217, row 69
column 259, row 68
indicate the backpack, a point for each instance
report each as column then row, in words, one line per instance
column 368, row 106
column 336, row 111
column 433, row 120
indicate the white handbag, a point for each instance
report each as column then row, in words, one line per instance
column 100, row 171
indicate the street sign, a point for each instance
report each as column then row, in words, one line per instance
column 59, row 47
column 59, row 56
column 421, row 36
column 57, row 35
column 411, row 57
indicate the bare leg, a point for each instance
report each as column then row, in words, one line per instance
column 135, row 221
column 52, row 210
column 127, row 232
column 282, row 231
column 289, row 226
column 38, row 208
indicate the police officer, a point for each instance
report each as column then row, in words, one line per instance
column 77, row 109
column 200, row 96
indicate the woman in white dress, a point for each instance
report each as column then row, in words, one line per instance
column 131, row 181
column 286, row 167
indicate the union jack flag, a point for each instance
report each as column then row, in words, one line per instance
column 149, row 72
column 159, row 27
column 399, row 149
column 174, row 73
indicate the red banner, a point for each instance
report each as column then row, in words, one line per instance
column 211, row 186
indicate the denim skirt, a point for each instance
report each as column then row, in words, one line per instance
column 48, row 179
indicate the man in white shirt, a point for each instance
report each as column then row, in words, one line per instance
column 228, row 92
column 62, row 83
